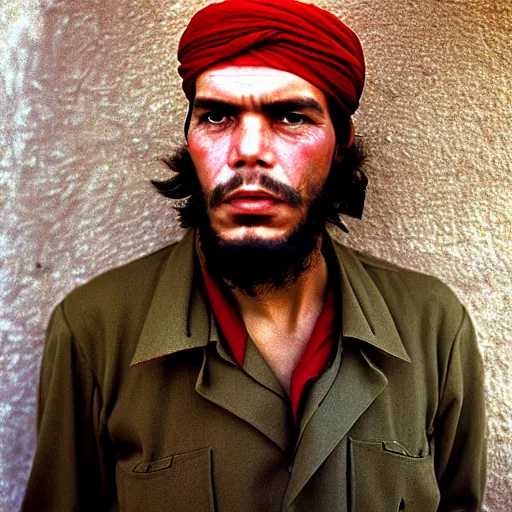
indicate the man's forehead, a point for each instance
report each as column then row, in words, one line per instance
column 259, row 83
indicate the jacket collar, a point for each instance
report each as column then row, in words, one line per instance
column 178, row 317
column 365, row 314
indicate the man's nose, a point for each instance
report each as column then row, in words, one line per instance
column 251, row 144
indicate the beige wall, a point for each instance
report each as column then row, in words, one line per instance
column 90, row 100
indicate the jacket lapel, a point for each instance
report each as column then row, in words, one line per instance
column 252, row 393
column 233, row 389
column 178, row 318
column 355, row 387
column 346, row 390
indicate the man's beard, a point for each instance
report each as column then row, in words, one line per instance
column 255, row 266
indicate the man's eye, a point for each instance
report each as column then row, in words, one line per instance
column 293, row 119
column 215, row 118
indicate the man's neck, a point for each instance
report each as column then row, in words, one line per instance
column 289, row 307
column 281, row 321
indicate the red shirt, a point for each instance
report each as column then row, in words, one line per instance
column 314, row 358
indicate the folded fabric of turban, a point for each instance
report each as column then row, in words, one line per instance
column 283, row 34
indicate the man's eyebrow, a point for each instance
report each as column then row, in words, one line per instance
column 287, row 105
column 213, row 104
column 294, row 104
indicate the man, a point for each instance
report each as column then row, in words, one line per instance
column 258, row 365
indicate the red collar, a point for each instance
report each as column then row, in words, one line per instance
column 316, row 355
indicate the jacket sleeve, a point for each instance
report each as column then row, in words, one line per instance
column 74, row 461
column 461, row 426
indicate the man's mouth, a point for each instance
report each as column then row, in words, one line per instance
column 252, row 201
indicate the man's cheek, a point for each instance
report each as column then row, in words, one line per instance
column 209, row 161
column 208, row 171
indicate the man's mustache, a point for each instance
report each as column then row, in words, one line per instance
column 289, row 194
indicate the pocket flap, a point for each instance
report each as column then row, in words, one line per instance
column 157, row 465
column 181, row 483
column 384, row 476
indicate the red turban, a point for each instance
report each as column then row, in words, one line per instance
column 282, row 34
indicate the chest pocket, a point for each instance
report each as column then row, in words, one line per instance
column 385, row 478
column 180, row 483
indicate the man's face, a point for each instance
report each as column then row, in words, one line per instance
column 262, row 143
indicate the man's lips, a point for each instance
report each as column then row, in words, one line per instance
column 252, row 193
column 252, row 201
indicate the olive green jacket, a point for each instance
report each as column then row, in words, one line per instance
column 142, row 408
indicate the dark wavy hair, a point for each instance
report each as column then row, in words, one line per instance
column 345, row 189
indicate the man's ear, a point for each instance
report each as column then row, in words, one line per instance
column 187, row 120
column 351, row 135
column 347, row 140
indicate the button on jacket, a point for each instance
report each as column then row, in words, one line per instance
column 143, row 408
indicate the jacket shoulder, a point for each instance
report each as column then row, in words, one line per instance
column 412, row 285
column 412, row 297
column 428, row 316
column 105, row 315
column 117, row 287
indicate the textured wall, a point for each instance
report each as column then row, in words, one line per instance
column 90, row 99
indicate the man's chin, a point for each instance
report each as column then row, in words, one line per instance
column 256, row 260
column 253, row 234
column 254, row 228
